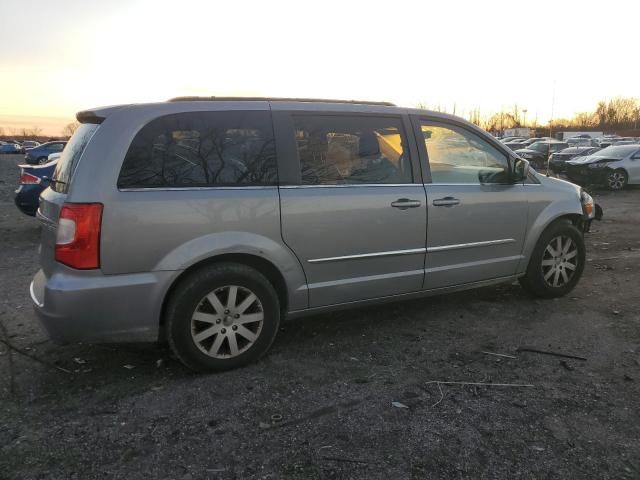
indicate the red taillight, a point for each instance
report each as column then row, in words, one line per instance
column 78, row 235
column 28, row 179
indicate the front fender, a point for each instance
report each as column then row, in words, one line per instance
column 546, row 205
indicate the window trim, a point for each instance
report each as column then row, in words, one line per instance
column 289, row 172
column 417, row 120
column 273, row 184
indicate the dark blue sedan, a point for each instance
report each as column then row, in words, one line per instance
column 33, row 180
column 40, row 154
column 10, row 147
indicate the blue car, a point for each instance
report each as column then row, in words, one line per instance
column 33, row 180
column 40, row 154
column 10, row 147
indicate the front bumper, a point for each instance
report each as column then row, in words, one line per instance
column 583, row 175
column 91, row 307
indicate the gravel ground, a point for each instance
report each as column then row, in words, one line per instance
column 320, row 405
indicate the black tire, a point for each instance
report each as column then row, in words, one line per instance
column 191, row 298
column 617, row 179
column 534, row 280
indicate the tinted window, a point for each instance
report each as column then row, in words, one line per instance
column 351, row 150
column 70, row 156
column 459, row 156
column 201, row 149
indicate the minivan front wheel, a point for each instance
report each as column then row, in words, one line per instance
column 557, row 261
column 222, row 317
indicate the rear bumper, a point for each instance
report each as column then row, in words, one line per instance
column 91, row 307
column 27, row 198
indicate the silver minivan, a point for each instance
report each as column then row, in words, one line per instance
column 207, row 221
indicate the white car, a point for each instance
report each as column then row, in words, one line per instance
column 616, row 167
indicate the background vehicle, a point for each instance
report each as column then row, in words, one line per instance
column 30, row 144
column 557, row 161
column 537, row 153
column 614, row 166
column 151, row 232
column 33, row 180
column 40, row 154
column 8, row 147
column 581, row 142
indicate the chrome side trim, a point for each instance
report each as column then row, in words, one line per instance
column 349, row 185
column 181, row 189
column 368, row 255
column 487, row 243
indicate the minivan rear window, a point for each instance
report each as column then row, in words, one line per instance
column 202, row 149
column 70, row 156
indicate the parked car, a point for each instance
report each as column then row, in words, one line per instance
column 8, row 147
column 152, row 233
column 33, row 180
column 557, row 161
column 30, row 144
column 581, row 142
column 40, row 154
column 529, row 141
column 616, row 167
column 537, row 153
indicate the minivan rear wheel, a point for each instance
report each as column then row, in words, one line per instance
column 222, row 317
column 557, row 261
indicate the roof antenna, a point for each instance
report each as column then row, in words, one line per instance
column 553, row 102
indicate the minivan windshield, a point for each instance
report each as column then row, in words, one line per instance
column 70, row 156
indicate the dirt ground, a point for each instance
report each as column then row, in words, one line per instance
column 320, row 405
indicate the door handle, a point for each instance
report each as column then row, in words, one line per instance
column 404, row 203
column 446, row 202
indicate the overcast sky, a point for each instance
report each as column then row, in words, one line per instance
column 60, row 57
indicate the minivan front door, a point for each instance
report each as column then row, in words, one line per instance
column 476, row 219
column 353, row 207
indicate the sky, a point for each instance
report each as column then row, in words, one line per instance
column 549, row 57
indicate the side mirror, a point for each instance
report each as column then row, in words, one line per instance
column 520, row 170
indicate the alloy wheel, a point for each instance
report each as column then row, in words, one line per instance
column 616, row 180
column 227, row 322
column 560, row 261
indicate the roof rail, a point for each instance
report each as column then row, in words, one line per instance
column 276, row 99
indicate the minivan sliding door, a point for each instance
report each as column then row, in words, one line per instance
column 352, row 204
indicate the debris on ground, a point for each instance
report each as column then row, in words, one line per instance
column 546, row 352
column 398, row 405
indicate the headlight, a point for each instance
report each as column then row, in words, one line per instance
column 598, row 165
column 588, row 205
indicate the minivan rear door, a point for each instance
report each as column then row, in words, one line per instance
column 352, row 203
column 477, row 217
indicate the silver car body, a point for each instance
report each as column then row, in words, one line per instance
column 324, row 246
column 616, row 157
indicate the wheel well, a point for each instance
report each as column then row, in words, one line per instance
column 265, row 267
column 576, row 219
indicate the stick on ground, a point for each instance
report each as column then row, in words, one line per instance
column 11, row 346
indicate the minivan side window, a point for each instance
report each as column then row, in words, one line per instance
column 351, row 149
column 202, row 149
column 457, row 155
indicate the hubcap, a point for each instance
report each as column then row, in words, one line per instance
column 229, row 306
column 616, row 180
column 559, row 261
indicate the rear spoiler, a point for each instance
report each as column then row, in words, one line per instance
column 89, row 116
column 97, row 115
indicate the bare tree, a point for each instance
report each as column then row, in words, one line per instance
column 70, row 128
